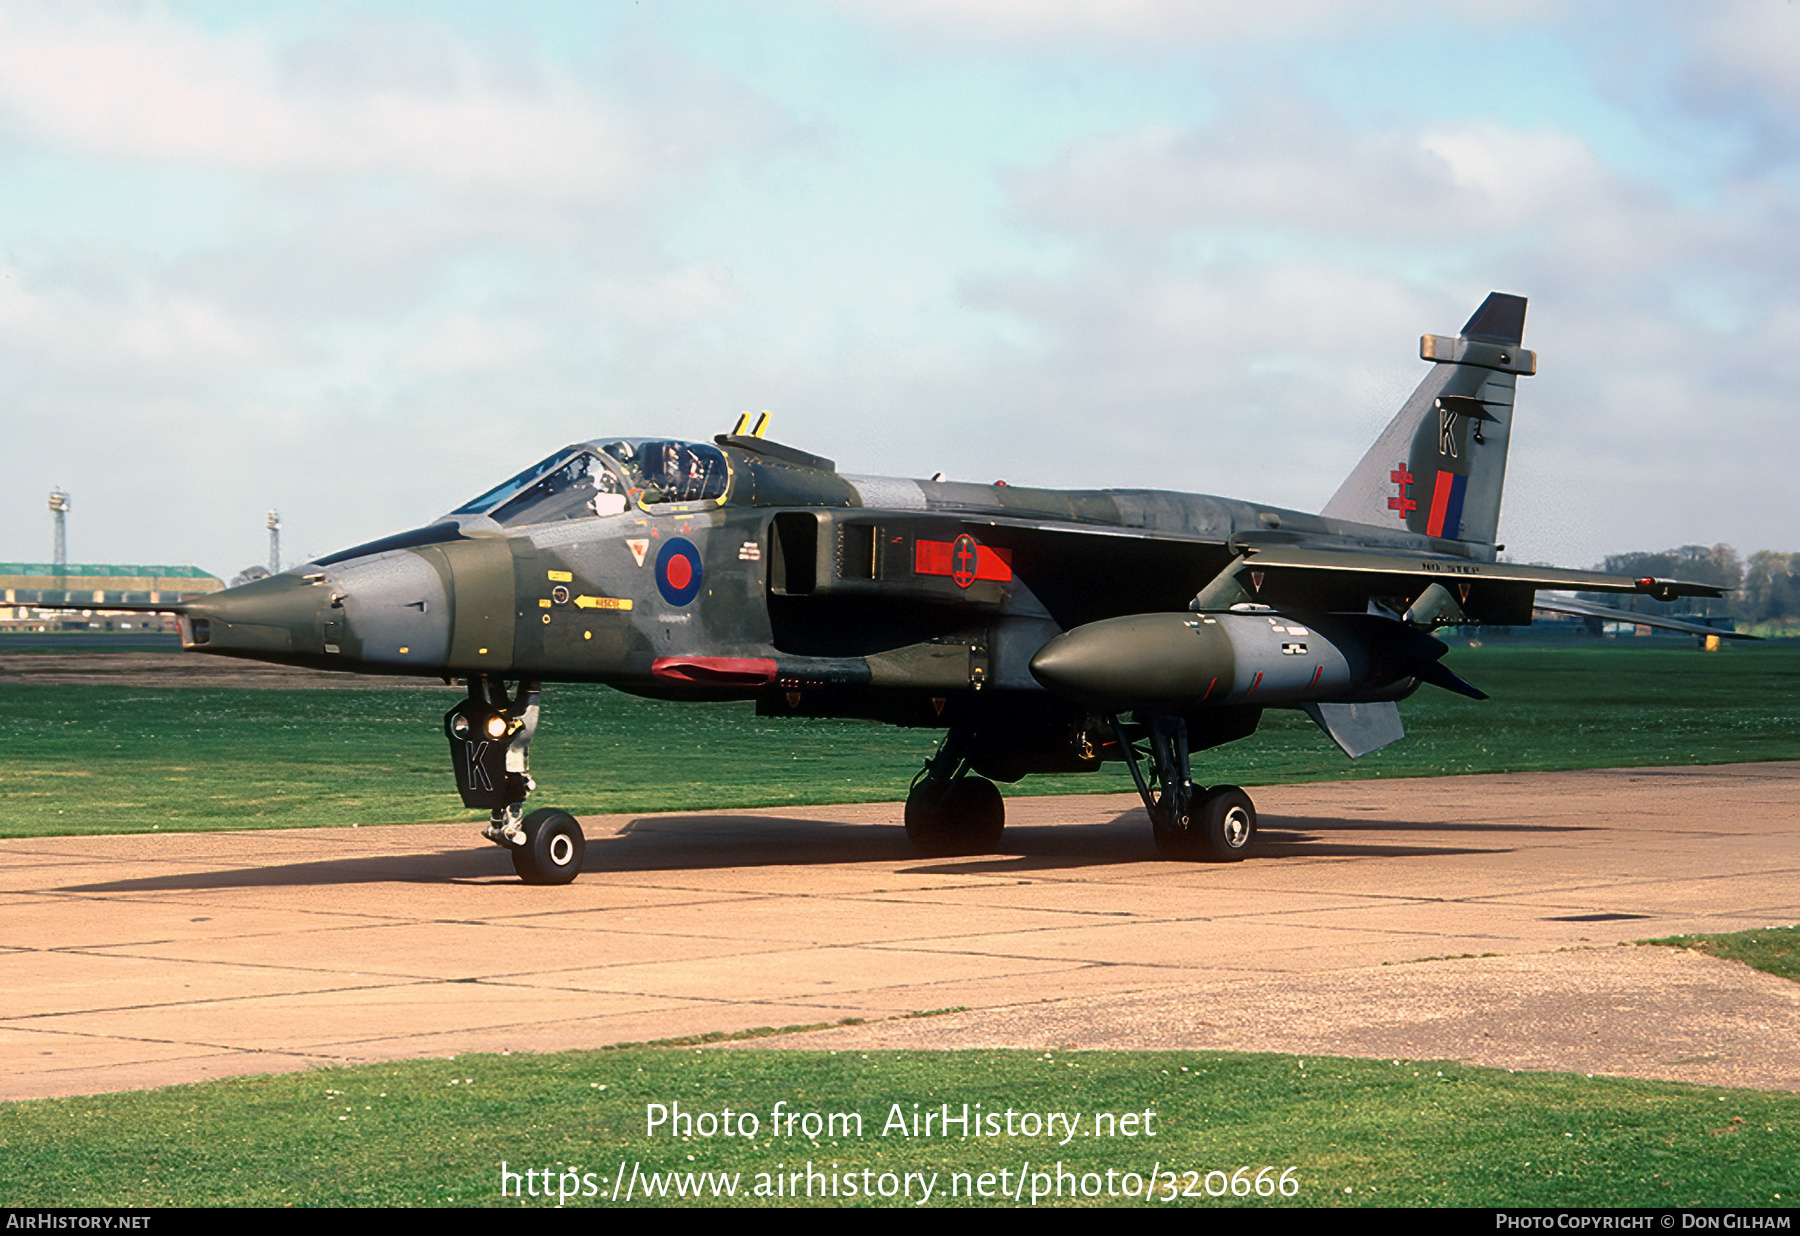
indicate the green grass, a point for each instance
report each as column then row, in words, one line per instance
column 1356, row 1132
column 104, row 759
column 84, row 759
column 1772, row 949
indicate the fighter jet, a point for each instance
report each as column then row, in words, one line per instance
column 1042, row 630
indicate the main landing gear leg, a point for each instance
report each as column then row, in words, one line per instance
column 1188, row 821
column 490, row 747
column 950, row 811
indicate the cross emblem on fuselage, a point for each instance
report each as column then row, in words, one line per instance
column 964, row 560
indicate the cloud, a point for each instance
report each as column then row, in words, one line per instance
column 1742, row 57
column 392, row 242
column 1241, row 298
column 1274, row 165
column 398, row 100
column 394, row 259
column 1084, row 24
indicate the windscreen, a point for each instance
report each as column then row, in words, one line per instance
column 571, row 484
column 505, row 490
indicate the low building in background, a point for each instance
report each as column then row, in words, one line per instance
column 43, row 596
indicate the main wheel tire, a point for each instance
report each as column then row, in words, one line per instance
column 981, row 814
column 553, row 849
column 968, row 818
column 1225, row 824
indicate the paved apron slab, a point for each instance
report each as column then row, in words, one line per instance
column 1481, row 918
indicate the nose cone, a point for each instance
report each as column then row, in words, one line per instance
column 383, row 613
column 273, row 619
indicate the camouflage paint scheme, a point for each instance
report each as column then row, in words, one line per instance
column 1046, row 630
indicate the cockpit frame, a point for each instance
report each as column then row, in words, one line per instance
column 608, row 477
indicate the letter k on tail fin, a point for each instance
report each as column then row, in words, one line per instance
column 1439, row 466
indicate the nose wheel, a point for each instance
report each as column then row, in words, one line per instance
column 553, row 849
column 490, row 747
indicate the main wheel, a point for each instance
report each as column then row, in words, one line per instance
column 968, row 818
column 553, row 849
column 1219, row 826
column 1225, row 824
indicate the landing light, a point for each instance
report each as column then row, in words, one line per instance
column 496, row 726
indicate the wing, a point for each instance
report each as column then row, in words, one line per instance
column 899, row 577
column 1426, row 587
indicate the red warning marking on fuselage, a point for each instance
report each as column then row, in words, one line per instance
column 715, row 671
column 1254, row 683
column 1318, row 673
column 942, row 558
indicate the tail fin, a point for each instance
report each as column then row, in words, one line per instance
column 1439, row 466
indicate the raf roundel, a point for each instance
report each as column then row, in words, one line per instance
column 678, row 571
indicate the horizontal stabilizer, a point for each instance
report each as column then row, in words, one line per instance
column 1358, row 728
column 1587, row 609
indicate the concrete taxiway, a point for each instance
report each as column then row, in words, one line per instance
column 1481, row 918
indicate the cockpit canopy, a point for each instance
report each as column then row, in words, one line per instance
column 604, row 478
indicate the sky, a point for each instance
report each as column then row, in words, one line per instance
column 359, row 262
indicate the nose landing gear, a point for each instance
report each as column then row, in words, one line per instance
column 490, row 746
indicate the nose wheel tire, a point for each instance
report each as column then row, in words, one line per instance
column 553, row 849
column 1218, row 828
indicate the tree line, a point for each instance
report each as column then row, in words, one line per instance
column 1765, row 588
